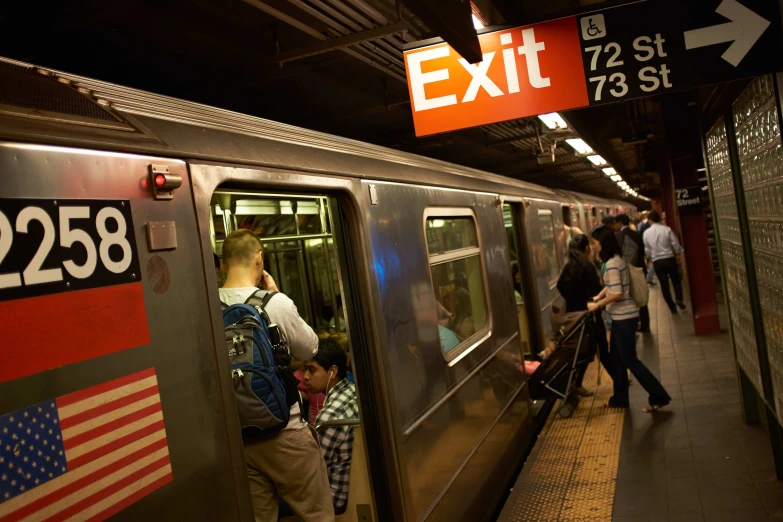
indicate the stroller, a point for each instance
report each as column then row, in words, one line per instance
column 555, row 378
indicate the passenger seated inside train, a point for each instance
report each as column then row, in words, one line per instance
column 337, row 322
column 327, row 373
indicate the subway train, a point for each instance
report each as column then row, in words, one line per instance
column 113, row 203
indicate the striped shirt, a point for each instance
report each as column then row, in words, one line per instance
column 617, row 280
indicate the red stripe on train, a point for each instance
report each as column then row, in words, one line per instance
column 41, row 333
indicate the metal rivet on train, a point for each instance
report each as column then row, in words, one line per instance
column 67, row 284
column 133, row 276
column 55, row 202
column 122, row 203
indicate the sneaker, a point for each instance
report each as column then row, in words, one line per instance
column 681, row 305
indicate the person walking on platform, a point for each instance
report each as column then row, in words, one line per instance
column 663, row 247
column 616, row 297
column 632, row 248
column 578, row 283
column 644, row 225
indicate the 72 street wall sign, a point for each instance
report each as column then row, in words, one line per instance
column 642, row 49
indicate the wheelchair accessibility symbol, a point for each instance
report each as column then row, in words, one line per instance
column 593, row 27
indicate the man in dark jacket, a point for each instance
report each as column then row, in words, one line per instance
column 633, row 253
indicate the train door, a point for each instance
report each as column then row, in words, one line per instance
column 524, row 293
column 304, row 244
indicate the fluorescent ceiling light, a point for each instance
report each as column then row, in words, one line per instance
column 617, row 177
column 477, row 23
column 609, row 171
column 579, row 145
column 596, row 160
column 553, row 121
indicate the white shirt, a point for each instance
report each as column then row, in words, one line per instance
column 660, row 242
column 295, row 332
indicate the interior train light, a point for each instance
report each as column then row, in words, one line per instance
column 579, row 145
column 596, row 160
column 164, row 182
column 477, row 23
column 609, row 171
column 617, row 177
column 553, row 121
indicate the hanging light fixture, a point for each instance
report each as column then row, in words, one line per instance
column 579, row 145
column 553, row 121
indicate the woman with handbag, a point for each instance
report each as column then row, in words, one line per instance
column 625, row 317
column 578, row 283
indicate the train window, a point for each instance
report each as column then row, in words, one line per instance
column 511, row 224
column 549, row 264
column 299, row 250
column 457, row 278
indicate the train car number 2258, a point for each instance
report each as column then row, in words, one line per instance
column 52, row 246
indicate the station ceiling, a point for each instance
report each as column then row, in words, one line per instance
column 225, row 53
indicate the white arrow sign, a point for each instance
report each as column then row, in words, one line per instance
column 745, row 28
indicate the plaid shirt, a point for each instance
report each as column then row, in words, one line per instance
column 337, row 443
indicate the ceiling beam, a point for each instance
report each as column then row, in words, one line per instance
column 452, row 20
column 338, row 43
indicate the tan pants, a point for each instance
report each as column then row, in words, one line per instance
column 289, row 464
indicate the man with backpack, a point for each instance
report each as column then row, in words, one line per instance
column 632, row 248
column 281, row 452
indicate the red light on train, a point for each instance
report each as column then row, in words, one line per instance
column 570, row 206
column 164, row 182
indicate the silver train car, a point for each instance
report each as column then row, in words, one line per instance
column 112, row 204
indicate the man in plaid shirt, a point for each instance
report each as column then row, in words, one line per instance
column 326, row 373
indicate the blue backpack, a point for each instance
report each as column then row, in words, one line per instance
column 260, row 365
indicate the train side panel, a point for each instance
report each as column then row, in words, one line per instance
column 99, row 332
column 446, row 407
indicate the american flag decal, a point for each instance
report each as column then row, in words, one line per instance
column 86, row 455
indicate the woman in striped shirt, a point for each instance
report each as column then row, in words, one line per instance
column 616, row 297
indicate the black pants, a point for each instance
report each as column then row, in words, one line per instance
column 597, row 340
column 624, row 357
column 667, row 269
column 644, row 318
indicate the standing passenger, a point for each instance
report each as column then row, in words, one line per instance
column 632, row 248
column 662, row 246
column 326, row 373
column 644, row 225
column 616, row 297
column 578, row 283
column 287, row 463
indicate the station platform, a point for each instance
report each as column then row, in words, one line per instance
column 695, row 460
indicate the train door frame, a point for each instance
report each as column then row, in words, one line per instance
column 355, row 282
column 528, row 277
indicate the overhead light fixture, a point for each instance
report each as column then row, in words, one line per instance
column 617, row 177
column 477, row 23
column 609, row 171
column 553, row 121
column 597, row 160
column 579, row 145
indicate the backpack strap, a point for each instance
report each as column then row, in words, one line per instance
column 275, row 334
column 264, row 300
